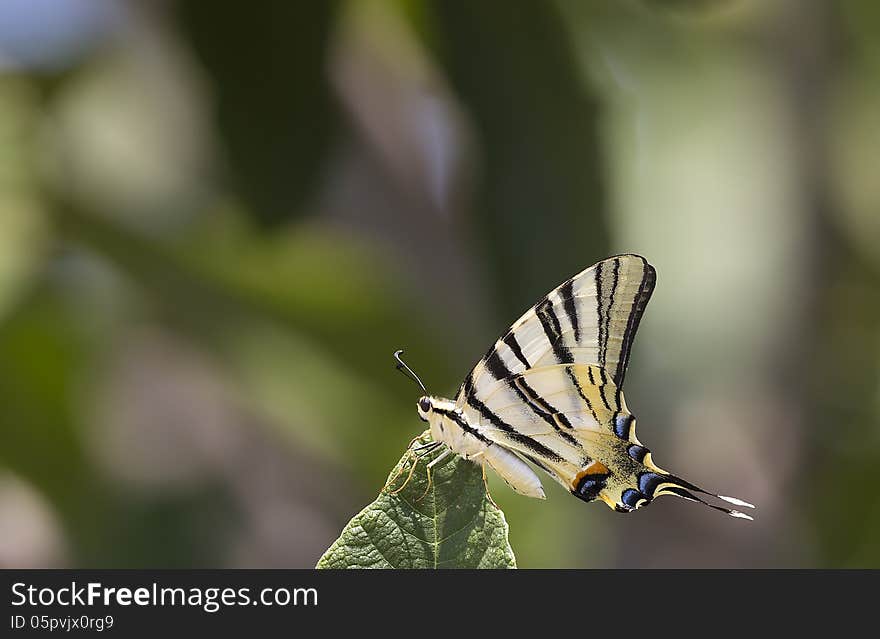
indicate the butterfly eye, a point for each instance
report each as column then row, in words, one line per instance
column 425, row 404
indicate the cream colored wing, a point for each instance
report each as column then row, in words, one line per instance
column 550, row 389
column 590, row 319
column 565, row 418
column 576, row 427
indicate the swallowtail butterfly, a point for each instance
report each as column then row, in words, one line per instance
column 550, row 391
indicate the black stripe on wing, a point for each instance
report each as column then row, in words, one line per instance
column 510, row 432
column 497, row 368
column 553, row 330
column 601, row 324
column 513, row 345
column 640, row 301
column 569, row 305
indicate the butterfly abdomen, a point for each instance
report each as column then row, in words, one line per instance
column 514, row 471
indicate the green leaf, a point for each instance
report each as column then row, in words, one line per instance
column 450, row 524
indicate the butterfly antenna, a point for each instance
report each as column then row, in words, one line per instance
column 406, row 370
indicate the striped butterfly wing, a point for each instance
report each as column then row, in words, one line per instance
column 550, row 387
column 574, row 424
column 590, row 319
column 571, row 420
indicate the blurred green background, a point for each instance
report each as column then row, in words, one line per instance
column 217, row 224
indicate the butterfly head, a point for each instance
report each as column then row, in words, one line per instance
column 432, row 408
column 425, row 406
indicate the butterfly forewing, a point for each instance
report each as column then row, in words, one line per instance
column 590, row 319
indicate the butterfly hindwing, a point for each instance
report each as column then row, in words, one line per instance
column 577, row 425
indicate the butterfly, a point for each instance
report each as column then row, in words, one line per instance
column 550, row 391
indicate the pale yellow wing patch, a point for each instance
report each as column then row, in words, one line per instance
column 592, row 318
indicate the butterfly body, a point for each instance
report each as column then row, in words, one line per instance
column 451, row 426
column 550, row 391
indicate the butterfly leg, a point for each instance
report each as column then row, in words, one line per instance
column 485, row 480
column 415, row 454
column 393, row 479
column 409, row 450
column 428, row 469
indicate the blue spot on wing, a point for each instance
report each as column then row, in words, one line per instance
column 648, row 483
column 631, row 497
column 589, row 489
column 623, row 425
column 590, row 486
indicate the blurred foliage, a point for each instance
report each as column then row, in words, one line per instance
column 273, row 104
column 216, row 226
column 538, row 129
column 848, row 440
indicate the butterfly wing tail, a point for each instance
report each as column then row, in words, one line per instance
column 672, row 485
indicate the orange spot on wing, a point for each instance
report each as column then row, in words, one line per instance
column 595, row 467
